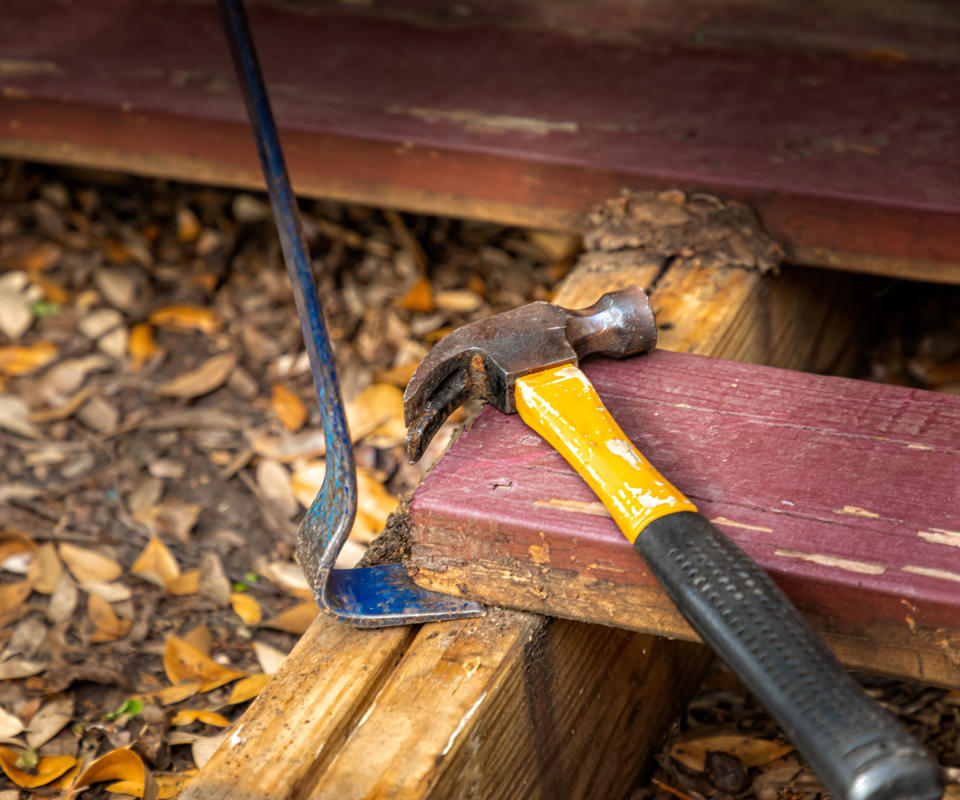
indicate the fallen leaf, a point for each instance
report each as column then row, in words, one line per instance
column 99, row 415
column 190, row 715
column 15, row 417
column 10, row 724
column 47, row 769
column 294, row 620
column 377, row 412
column 458, row 301
column 269, row 658
column 49, row 720
column 213, row 580
column 63, row 600
column 288, row 447
column 67, row 408
column 187, row 583
column 12, row 596
column 204, row 747
column 307, row 480
column 45, row 569
column 141, row 344
column 35, row 257
column 419, row 298
column 183, row 663
column 275, row 483
column 289, row 408
column 18, row 667
column 117, row 286
column 187, row 318
column 172, row 517
column 751, row 752
column 188, row 226
column 246, row 607
column 89, row 566
column 156, row 564
column 68, row 376
column 558, row 246
column 210, row 375
column 247, row 689
column 374, row 505
column 14, row 544
column 111, row 592
column 169, row 695
column 200, row 637
column 109, row 627
column 122, row 764
column 97, row 323
column 15, row 314
column 171, row 784
column 288, row 575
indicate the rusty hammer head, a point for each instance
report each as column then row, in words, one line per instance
column 483, row 359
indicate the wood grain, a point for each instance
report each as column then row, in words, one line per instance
column 844, row 491
column 819, row 134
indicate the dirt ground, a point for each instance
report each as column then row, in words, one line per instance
column 159, row 441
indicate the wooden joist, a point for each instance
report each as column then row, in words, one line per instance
column 465, row 708
column 834, row 122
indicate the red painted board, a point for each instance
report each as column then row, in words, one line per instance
column 844, row 136
column 846, row 492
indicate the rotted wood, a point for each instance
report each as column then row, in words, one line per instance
column 844, row 491
column 838, row 135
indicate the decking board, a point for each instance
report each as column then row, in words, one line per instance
column 846, row 492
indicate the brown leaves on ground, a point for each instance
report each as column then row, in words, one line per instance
column 184, row 663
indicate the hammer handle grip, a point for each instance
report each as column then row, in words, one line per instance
column 858, row 750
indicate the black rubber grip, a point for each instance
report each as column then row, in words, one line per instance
column 857, row 749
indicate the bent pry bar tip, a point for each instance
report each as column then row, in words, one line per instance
column 369, row 596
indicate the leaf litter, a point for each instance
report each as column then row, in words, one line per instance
column 160, row 417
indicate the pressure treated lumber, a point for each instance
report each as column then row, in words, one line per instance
column 504, row 691
column 844, row 491
column 836, row 122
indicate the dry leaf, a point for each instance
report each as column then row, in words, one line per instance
column 17, row 667
column 286, row 448
column 15, row 314
column 183, row 662
column 247, row 689
column 12, row 596
column 15, row 417
column 187, row 583
column 459, row 301
column 558, row 246
column 169, row 695
column 45, row 569
column 419, row 298
column 172, row 517
column 141, row 344
column 48, row 769
column 187, row 318
column 307, row 480
column 200, row 637
column 377, row 412
column 751, row 752
column 374, row 505
column 63, row 600
column 188, row 226
column 99, row 415
column 171, row 784
column 109, row 627
column 289, row 408
column 68, row 376
column 156, row 564
column 16, row 360
column 14, row 544
column 204, row 747
column 97, row 323
column 213, row 580
column 275, row 483
column 190, row 715
column 269, row 658
column 288, row 575
column 111, row 592
column 89, row 566
column 117, row 286
column 210, row 375
column 49, row 720
column 122, row 764
column 246, row 607
column 10, row 724
column 294, row 620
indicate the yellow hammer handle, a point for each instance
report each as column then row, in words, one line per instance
column 562, row 406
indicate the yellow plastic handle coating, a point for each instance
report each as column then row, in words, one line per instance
column 562, row 406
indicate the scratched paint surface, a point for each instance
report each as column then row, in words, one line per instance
column 847, row 492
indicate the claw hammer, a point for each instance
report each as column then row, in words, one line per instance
column 526, row 361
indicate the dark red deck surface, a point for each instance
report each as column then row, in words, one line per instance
column 846, row 492
column 841, row 130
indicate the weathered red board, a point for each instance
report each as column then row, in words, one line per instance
column 841, row 130
column 846, row 492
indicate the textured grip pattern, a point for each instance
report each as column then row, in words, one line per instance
column 858, row 750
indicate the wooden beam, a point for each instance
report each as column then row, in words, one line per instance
column 527, row 117
column 844, row 491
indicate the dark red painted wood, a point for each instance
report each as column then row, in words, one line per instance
column 791, row 466
column 838, row 146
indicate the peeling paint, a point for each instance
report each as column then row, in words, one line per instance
column 864, row 567
column 733, row 524
column 595, row 509
column 856, row 511
column 917, row 446
column 939, row 536
column 479, row 121
column 540, row 553
column 930, row 572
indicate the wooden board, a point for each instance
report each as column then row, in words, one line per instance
column 461, row 709
column 844, row 491
column 835, row 122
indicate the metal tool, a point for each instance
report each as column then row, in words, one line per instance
column 365, row 597
column 526, row 361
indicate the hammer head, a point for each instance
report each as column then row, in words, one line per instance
column 485, row 358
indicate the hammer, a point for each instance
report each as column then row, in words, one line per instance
column 526, row 361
